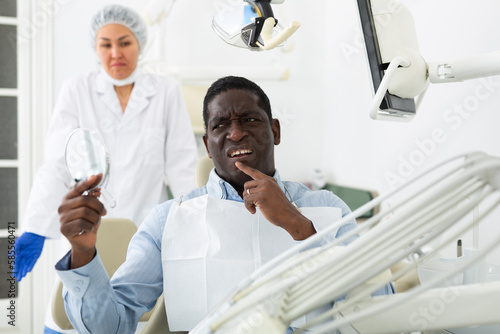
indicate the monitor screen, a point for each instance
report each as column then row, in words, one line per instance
column 391, row 105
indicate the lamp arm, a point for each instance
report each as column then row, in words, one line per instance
column 478, row 66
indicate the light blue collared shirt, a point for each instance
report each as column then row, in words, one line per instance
column 96, row 304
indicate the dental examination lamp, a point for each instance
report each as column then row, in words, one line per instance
column 252, row 25
column 321, row 286
column 398, row 70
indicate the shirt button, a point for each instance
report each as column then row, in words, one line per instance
column 86, row 320
column 76, row 289
column 79, row 282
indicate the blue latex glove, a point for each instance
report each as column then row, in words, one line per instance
column 28, row 248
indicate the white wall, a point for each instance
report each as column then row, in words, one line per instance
column 323, row 106
column 447, row 29
column 360, row 152
column 190, row 42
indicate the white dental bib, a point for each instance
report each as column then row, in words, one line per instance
column 210, row 245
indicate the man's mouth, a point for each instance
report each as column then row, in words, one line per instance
column 240, row 153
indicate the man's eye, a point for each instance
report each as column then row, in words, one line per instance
column 218, row 126
column 251, row 119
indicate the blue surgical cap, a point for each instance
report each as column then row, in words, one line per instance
column 119, row 15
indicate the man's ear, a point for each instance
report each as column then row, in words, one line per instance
column 205, row 141
column 275, row 127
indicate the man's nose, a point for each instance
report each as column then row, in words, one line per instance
column 236, row 131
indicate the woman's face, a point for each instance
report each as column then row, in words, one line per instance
column 118, row 50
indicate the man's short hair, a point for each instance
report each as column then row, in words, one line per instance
column 232, row 82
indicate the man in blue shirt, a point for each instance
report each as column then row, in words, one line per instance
column 196, row 248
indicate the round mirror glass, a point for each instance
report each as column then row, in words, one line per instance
column 229, row 21
column 86, row 155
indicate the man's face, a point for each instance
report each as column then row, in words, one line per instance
column 239, row 130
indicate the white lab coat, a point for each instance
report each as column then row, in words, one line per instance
column 152, row 141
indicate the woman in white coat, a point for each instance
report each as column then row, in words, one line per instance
column 143, row 121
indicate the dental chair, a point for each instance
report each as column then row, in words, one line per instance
column 430, row 211
column 193, row 97
column 114, row 235
column 113, row 247
column 203, row 168
column 355, row 198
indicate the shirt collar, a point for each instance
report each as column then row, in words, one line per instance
column 218, row 188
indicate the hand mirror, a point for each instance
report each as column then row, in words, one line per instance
column 86, row 155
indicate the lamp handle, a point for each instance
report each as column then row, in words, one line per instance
column 271, row 42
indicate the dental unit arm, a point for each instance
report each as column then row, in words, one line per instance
column 398, row 70
column 304, row 279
